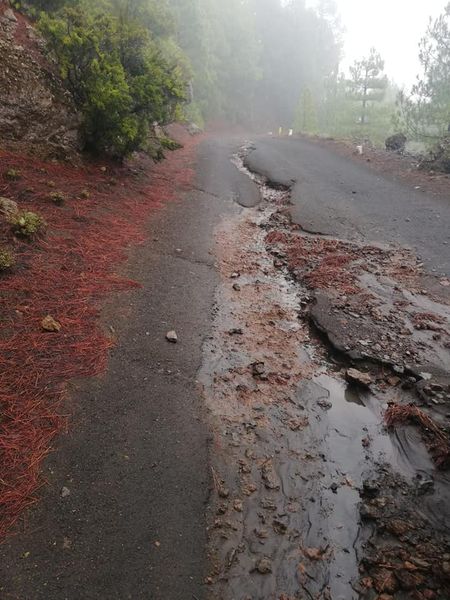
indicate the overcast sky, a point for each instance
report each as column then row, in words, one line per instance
column 394, row 27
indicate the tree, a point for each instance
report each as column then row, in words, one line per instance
column 433, row 90
column 306, row 120
column 116, row 72
column 367, row 84
column 425, row 113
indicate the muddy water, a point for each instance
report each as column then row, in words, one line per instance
column 292, row 441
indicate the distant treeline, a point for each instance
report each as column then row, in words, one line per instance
column 257, row 63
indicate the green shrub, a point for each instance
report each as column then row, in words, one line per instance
column 13, row 174
column 7, row 260
column 27, row 224
column 117, row 74
column 170, row 144
column 57, row 198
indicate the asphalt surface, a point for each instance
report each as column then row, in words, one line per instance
column 136, row 458
column 337, row 196
column 135, row 461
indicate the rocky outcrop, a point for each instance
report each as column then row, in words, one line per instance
column 37, row 114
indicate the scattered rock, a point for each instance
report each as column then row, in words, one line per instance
column 223, row 491
column 65, row 492
column 268, row 504
column 236, row 287
column 396, row 143
column 8, row 207
column 9, row 14
column 355, row 376
column 314, row 553
column 371, row 488
column 48, row 323
column 172, row 337
column 259, row 371
column 269, row 478
column 236, row 331
column 325, row 404
column 264, row 566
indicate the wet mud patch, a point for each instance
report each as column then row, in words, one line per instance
column 297, row 434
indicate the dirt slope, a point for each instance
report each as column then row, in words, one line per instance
column 36, row 112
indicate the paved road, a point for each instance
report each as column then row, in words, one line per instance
column 136, row 458
column 338, row 196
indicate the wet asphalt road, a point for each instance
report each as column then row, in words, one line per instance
column 136, row 457
column 337, row 196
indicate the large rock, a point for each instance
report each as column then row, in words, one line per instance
column 396, row 143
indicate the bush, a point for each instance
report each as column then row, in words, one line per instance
column 13, row 174
column 169, row 144
column 57, row 198
column 27, row 224
column 7, row 260
column 116, row 72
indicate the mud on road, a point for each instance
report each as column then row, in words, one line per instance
column 315, row 341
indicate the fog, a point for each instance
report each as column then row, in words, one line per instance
column 394, row 27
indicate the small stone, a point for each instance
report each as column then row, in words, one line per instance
column 356, row 376
column 223, row 492
column 172, row 337
column 371, row 488
column 67, row 543
column 236, row 287
column 279, row 526
column 8, row 207
column 9, row 14
column 264, row 566
column 268, row 504
column 65, row 492
column 48, row 323
column 236, row 331
column 238, row 505
column 259, row 370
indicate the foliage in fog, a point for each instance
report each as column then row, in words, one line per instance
column 425, row 113
column 260, row 64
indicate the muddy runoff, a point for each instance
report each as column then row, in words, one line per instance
column 312, row 496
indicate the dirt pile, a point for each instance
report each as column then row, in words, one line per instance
column 36, row 112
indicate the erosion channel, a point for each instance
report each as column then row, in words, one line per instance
column 316, row 340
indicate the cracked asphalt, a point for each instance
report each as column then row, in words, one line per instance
column 137, row 458
column 337, row 196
